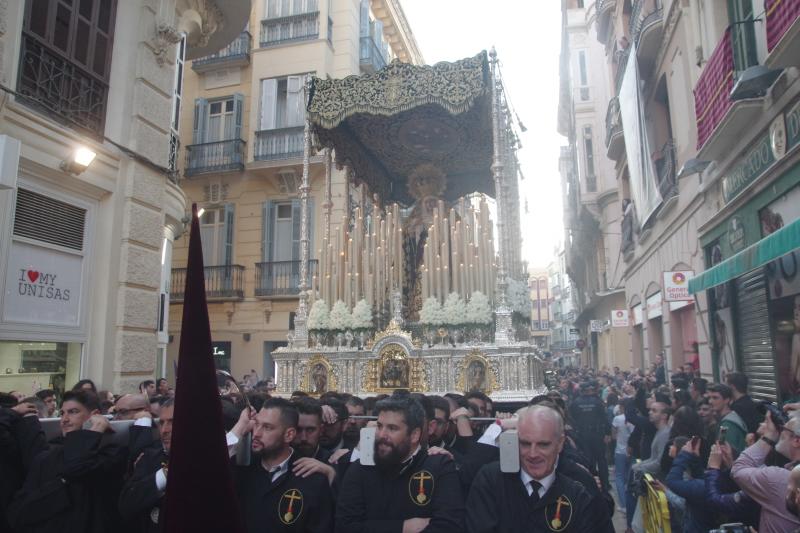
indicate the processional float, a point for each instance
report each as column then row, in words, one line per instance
column 418, row 287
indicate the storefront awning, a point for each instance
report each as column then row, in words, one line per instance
column 759, row 254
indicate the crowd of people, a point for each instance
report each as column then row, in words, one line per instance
column 448, row 463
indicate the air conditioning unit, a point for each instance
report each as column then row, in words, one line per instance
column 288, row 182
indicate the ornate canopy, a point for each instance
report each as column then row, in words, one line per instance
column 384, row 125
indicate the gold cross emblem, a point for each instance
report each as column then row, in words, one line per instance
column 421, row 497
column 291, row 495
column 556, row 524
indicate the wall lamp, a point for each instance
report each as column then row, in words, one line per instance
column 692, row 166
column 80, row 161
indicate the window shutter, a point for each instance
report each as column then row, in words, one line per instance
column 238, row 113
column 296, row 230
column 268, row 232
column 364, row 31
column 200, row 120
column 269, row 95
column 294, row 101
column 227, row 250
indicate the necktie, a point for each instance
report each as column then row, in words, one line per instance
column 535, row 485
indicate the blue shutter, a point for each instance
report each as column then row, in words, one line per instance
column 364, row 30
column 238, row 113
column 267, row 231
column 228, row 250
column 200, row 121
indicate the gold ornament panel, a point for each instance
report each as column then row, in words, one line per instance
column 319, row 376
column 393, row 370
column 476, row 373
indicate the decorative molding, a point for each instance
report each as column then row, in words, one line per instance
column 164, row 38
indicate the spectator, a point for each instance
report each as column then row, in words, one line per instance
column 685, row 478
column 148, row 387
column 697, row 389
column 659, row 371
column 621, row 430
column 720, row 397
column 722, row 494
column 742, row 403
column 768, row 485
column 162, row 387
column 48, row 397
column 706, row 414
column 85, row 384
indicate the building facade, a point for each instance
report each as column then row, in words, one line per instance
column 564, row 335
column 88, row 203
column 539, row 286
column 245, row 162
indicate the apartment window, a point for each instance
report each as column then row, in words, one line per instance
column 216, row 234
column 218, row 120
column 65, row 59
column 583, row 76
column 287, row 8
column 281, row 230
column 740, row 13
column 588, row 148
column 177, row 95
column 281, row 117
column 290, row 20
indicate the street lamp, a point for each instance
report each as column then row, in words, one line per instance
column 80, row 161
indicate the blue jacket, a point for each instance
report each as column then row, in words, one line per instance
column 699, row 518
column 724, row 496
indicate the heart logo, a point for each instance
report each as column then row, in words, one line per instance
column 33, row 276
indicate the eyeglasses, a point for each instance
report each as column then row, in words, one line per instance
column 124, row 412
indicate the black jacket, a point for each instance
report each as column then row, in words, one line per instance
column 290, row 503
column 73, row 486
column 499, row 503
column 746, row 408
column 375, row 501
column 140, row 502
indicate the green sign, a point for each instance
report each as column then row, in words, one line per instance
column 755, row 162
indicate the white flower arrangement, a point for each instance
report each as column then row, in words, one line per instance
column 340, row 318
column 362, row 315
column 431, row 313
column 319, row 316
column 478, row 309
column 519, row 298
column 454, row 310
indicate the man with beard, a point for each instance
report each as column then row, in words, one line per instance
column 768, row 485
column 537, row 498
column 271, row 496
column 352, row 427
column 334, row 417
column 311, row 457
column 142, row 495
column 407, row 490
column 440, row 423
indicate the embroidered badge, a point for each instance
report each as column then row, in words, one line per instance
column 290, row 506
column 420, row 487
column 154, row 515
column 559, row 514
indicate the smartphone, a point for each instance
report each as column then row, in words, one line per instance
column 366, row 446
column 509, row 451
column 695, row 441
column 723, row 431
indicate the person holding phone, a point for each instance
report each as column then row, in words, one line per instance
column 735, row 430
column 686, row 479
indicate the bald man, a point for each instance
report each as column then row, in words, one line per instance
column 129, row 405
column 537, row 498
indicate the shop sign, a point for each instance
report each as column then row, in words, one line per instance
column 619, row 318
column 43, row 286
column 737, row 238
column 654, row 306
column 580, row 344
column 596, row 326
column 754, row 163
column 676, row 285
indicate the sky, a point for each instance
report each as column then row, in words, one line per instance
column 527, row 37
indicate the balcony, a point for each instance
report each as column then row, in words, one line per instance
column 281, row 278
column 281, row 143
column 665, row 170
column 783, row 33
column 290, row 29
column 646, row 29
column 371, row 58
column 224, row 282
column 615, row 140
column 622, row 62
column 720, row 120
column 50, row 81
column 236, row 54
column 213, row 157
column 605, row 12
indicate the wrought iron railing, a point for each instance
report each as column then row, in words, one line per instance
column 635, row 21
column 54, row 83
column 300, row 27
column 281, row 143
column 622, row 62
column 613, row 120
column 665, row 167
column 239, row 49
column 371, row 57
column 281, row 278
column 219, row 156
column 222, row 282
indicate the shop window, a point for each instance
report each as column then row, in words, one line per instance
column 28, row 366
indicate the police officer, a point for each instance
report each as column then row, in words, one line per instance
column 537, row 498
column 589, row 419
column 272, row 496
column 407, row 490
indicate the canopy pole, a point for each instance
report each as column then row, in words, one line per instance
column 503, row 327
column 300, row 321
